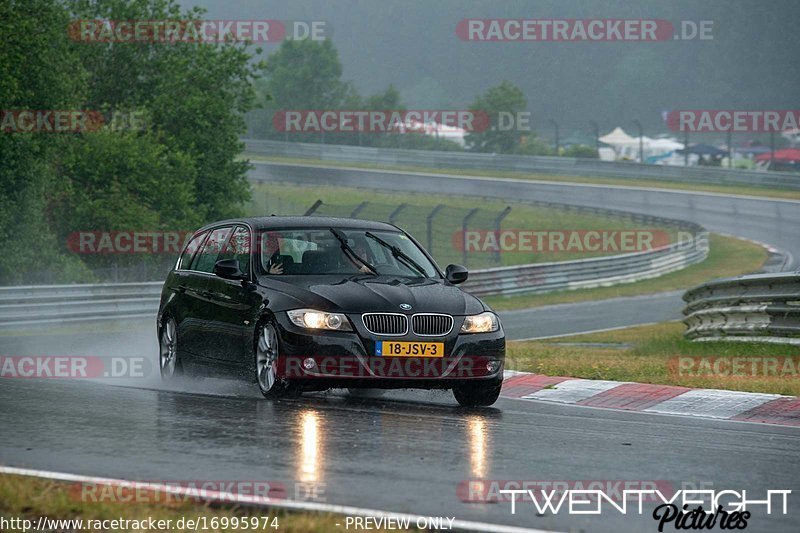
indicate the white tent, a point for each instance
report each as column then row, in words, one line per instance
column 618, row 137
column 625, row 146
column 664, row 145
column 663, row 152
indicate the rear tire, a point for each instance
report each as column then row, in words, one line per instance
column 168, row 360
column 478, row 394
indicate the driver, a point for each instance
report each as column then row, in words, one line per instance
column 361, row 250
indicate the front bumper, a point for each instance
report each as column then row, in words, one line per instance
column 347, row 359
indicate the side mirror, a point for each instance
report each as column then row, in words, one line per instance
column 228, row 269
column 456, row 274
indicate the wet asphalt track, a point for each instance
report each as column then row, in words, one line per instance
column 408, row 451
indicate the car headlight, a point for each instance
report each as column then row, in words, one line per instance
column 482, row 323
column 311, row 319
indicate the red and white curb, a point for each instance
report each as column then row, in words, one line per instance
column 648, row 398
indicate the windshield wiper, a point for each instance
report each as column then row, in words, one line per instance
column 397, row 253
column 349, row 251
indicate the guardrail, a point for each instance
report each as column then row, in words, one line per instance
column 587, row 273
column 565, row 166
column 754, row 308
column 44, row 304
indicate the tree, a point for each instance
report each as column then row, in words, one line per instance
column 503, row 98
column 124, row 182
column 181, row 170
column 195, row 96
column 305, row 74
column 38, row 73
column 302, row 74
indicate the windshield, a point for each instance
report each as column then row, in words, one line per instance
column 315, row 251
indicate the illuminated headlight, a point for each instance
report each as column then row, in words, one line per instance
column 308, row 318
column 482, row 323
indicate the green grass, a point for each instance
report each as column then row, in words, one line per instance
column 30, row 498
column 727, row 256
column 287, row 199
column 670, row 185
column 643, row 354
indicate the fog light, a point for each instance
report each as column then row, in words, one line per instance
column 493, row 366
column 309, row 363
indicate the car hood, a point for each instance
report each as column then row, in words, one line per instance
column 368, row 294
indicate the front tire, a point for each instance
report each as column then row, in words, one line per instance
column 267, row 354
column 478, row 394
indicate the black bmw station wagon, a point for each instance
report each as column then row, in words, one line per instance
column 311, row 303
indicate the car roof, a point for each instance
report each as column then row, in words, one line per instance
column 304, row 222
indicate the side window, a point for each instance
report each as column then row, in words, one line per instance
column 188, row 253
column 238, row 248
column 205, row 258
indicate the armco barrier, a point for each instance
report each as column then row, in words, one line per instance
column 43, row 304
column 564, row 166
column 587, row 273
column 20, row 306
column 757, row 308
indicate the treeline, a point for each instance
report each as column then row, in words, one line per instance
column 163, row 154
column 307, row 75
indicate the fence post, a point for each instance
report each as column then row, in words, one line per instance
column 429, row 226
column 464, row 223
column 313, row 208
column 360, row 207
column 497, row 222
column 396, row 212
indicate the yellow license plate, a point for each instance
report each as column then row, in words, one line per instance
column 409, row 349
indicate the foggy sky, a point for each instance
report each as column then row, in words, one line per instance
column 753, row 61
